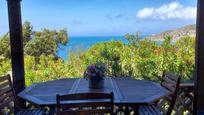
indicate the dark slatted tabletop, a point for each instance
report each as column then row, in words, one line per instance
column 126, row 90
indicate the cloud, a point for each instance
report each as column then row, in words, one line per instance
column 76, row 22
column 109, row 17
column 118, row 16
column 173, row 10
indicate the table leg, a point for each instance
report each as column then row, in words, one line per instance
column 126, row 110
column 136, row 110
column 52, row 110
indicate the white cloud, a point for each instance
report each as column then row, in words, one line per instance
column 168, row 11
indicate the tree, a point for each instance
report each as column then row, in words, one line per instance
column 5, row 47
column 27, row 32
column 5, row 42
column 46, row 42
column 133, row 39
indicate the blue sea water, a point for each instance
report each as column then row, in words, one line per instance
column 84, row 42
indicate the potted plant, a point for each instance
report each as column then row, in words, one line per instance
column 95, row 73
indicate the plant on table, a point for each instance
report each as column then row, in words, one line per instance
column 96, row 72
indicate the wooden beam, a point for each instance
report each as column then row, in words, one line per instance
column 16, row 42
column 199, row 60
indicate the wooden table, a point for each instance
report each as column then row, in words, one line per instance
column 126, row 91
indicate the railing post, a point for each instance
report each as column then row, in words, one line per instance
column 199, row 60
column 16, row 42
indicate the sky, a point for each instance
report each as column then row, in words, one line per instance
column 104, row 17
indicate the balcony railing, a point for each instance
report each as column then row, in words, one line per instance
column 183, row 105
column 184, row 102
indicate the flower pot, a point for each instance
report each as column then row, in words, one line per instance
column 96, row 84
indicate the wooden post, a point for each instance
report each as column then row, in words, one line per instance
column 199, row 61
column 16, row 42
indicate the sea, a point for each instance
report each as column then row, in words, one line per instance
column 82, row 43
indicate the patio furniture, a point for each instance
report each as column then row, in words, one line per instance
column 126, row 91
column 7, row 97
column 171, row 83
column 85, row 104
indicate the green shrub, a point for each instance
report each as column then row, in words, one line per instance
column 142, row 59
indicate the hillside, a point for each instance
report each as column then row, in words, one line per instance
column 176, row 34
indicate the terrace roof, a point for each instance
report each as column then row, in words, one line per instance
column 17, row 56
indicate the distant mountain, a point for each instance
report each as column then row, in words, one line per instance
column 189, row 30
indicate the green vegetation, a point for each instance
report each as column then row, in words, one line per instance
column 140, row 59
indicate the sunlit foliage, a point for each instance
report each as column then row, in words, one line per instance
column 140, row 58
